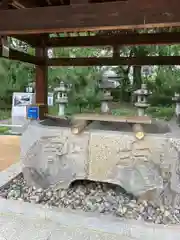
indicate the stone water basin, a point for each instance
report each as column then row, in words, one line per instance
column 52, row 156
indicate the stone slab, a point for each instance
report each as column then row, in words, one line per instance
column 83, row 234
column 20, row 228
column 75, row 226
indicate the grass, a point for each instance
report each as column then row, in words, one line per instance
column 5, row 114
column 4, row 130
column 124, row 112
column 53, row 110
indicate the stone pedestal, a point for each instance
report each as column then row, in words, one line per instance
column 104, row 107
column 61, row 111
column 176, row 99
column 104, row 102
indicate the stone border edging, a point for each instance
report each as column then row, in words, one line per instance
column 8, row 174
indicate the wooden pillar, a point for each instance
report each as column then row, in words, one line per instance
column 116, row 51
column 42, row 81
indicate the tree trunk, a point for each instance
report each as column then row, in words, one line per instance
column 137, row 79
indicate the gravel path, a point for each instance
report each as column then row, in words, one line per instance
column 93, row 197
column 9, row 151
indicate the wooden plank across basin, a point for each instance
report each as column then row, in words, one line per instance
column 112, row 118
column 52, row 117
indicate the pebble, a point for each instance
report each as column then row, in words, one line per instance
column 49, row 194
column 40, row 190
column 35, row 199
column 166, row 213
column 93, row 197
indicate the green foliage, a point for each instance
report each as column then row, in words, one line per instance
column 14, row 75
column 84, row 91
column 84, row 95
column 4, row 130
column 165, row 113
column 5, row 114
column 160, row 100
column 124, row 112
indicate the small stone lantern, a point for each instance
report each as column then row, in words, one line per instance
column 62, row 98
column 176, row 99
column 142, row 95
column 106, row 96
column 109, row 82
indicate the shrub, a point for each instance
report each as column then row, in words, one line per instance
column 165, row 113
column 160, row 100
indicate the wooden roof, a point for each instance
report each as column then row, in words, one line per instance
column 46, row 16
column 115, row 21
column 18, row 4
column 34, row 3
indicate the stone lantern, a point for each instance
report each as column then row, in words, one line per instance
column 109, row 82
column 176, row 99
column 62, row 98
column 142, row 95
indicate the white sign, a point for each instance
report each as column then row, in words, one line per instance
column 19, row 103
column 50, row 99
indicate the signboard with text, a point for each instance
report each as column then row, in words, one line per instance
column 32, row 112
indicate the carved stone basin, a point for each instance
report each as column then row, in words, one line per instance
column 53, row 156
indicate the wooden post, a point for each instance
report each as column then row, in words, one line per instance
column 139, row 131
column 41, row 80
column 79, row 126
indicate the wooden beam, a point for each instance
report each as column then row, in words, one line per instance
column 78, row 1
column 24, row 57
column 104, row 61
column 85, row 17
column 21, row 56
column 32, row 40
column 122, row 39
column 138, row 131
column 129, row 39
column 116, row 51
column 111, row 118
column 23, row 4
column 78, row 126
column 4, row 4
